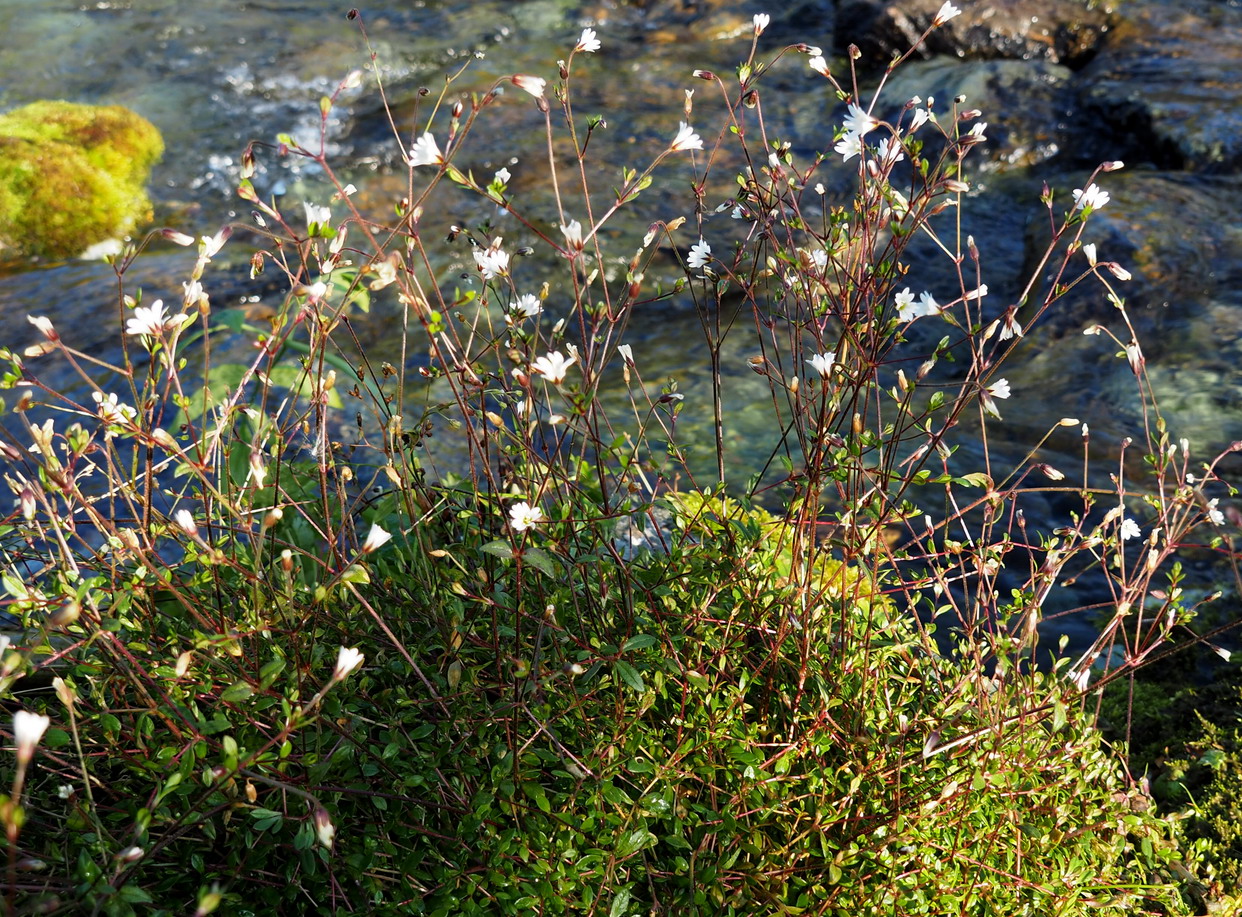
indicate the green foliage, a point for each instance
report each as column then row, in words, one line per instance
column 72, row 175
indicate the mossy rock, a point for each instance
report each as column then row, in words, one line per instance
column 73, row 175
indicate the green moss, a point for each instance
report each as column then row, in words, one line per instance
column 73, row 175
column 1187, row 738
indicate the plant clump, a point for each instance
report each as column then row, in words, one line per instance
column 572, row 667
column 73, row 175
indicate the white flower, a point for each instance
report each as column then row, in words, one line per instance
column 553, row 366
column 527, row 306
column 376, row 539
column 502, row 176
column 819, row 65
column 1011, row 328
column 523, row 516
column 848, row 147
column 492, row 261
column 977, row 294
column 587, row 42
column 1089, row 251
column 761, row 21
column 919, row 119
column 28, row 729
column 1130, row 529
column 1091, row 197
column 686, row 139
column 891, row 150
column 44, row 325
column 185, row 521
column 1215, row 516
column 346, row 661
column 700, row 254
column 907, row 311
column 858, row 121
column 209, row 246
column 999, row 389
column 112, row 410
column 193, row 293
column 1118, row 271
column 317, row 214
column 573, row 234
column 977, row 131
column 154, row 320
column 822, row 363
column 946, row 12
column 425, row 151
column 928, row 304
column 627, row 353
column 532, row 84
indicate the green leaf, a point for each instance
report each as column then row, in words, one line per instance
column 634, row 841
column 975, row 479
column 540, row 560
column 620, row 902
column 238, row 691
column 501, row 549
column 639, row 642
column 629, row 675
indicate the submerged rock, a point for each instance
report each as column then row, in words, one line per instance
column 73, row 175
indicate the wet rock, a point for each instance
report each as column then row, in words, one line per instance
column 1027, row 106
column 1167, row 84
column 1174, row 234
column 1061, row 31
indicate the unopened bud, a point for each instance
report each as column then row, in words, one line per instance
column 180, row 238
column 1051, row 473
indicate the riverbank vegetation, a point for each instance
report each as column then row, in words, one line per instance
column 506, row 629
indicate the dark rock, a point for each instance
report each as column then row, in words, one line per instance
column 1061, row 31
column 1167, row 83
column 1174, row 234
column 1026, row 105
